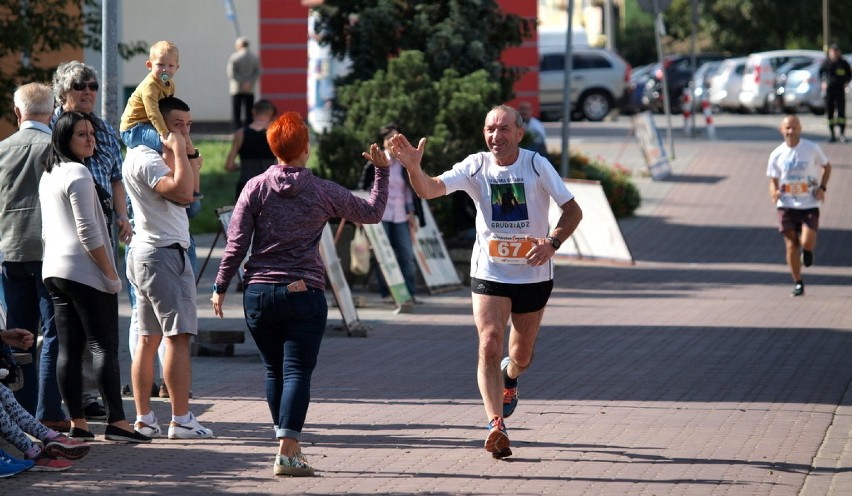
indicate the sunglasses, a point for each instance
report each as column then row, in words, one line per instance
column 93, row 86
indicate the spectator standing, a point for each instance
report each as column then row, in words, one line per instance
column 22, row 157
column 534, row 129
column 835, row 74
column 798, row 172
column 75, row 86
column 249, row 142
column 79, row 271
column 281, row 215
column 160, row 189
column 403, row 214
column 243, row 72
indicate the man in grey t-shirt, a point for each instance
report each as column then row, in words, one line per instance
column 160, row 189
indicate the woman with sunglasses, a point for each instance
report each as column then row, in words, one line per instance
column 75, row 86
column 79, row 272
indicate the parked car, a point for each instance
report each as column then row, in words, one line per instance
column 635, row 88
column 803, row 89
column 598, row 82
column 678, row 69
column 758, row 89
column 726, row 83
column 781, row 75
column 700, row 84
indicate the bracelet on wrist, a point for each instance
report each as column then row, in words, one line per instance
column 194, row 155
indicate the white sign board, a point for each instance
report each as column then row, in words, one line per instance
column 598, row 236
column 432, row 256
column 339, row 286
column 652, row 145
column 388, row 264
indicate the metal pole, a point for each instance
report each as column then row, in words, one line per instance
column 658, row 32
column 826, row 33
column 109, row 61
column 610, row 36
column 566, row 93
column 692, row 63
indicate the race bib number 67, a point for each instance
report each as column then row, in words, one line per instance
column 508, row 249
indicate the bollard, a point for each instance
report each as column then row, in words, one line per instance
column 686, row 109
column 707, row 110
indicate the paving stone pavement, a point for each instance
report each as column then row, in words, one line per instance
column 691, row 372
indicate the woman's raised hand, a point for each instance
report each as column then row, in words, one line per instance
column 377, row 156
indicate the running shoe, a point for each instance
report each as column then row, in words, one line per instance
column 807, row 258
column 10, row 465
column 45, row 463
column 497, row 442
column 64, row 447
column 295, row 466
column 510, row 394
column 189, row 430
column 798, row 289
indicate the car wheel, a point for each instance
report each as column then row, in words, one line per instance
column 818, row 110
column 595, row 105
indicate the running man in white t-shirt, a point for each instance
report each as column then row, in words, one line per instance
column 798, row 172
column 511, row 268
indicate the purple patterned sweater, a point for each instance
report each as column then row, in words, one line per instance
column 281, row 215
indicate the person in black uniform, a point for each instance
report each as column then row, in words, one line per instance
column 835, row 74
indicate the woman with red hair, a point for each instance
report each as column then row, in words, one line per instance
column 281, row 214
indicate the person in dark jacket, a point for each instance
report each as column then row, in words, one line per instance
column 835, row 74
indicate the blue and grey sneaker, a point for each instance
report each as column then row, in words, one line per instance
column 497, row 442
column 510, row 394
column 10, row 466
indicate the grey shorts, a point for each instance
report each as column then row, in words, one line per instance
column 165, row 290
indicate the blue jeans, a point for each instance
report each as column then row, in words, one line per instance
column 400, row 240
column 31, row 308
column 287, row 328
column 143, row 133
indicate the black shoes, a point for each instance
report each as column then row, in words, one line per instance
column 798, row 289
column 114, row 433
column 95, row 411
column 80, row 434
column 807, row 258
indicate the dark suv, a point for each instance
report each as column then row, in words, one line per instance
column 678, row 74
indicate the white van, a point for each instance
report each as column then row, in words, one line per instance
column 758, row 88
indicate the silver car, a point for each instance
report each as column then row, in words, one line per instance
column 803, row 89
column 598, row 81
column 726, row 83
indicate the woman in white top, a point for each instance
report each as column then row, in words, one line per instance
column 79, row 271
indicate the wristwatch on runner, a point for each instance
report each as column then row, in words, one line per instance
column 554, row 241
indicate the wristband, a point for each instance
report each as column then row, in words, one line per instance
column 822, row 187
column 194, row 155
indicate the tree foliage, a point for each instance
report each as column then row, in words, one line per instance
column 431, row 67
column 29, row 29
column 449, row 111
column 746, row 26
column 465, row 35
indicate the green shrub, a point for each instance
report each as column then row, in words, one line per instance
column 217, row 185
column 622, row 194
